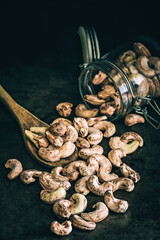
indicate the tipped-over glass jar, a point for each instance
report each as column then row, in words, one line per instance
column 124, row 80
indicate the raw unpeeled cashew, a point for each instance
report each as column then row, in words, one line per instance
column 115, row 156
column 28, row 176
column 67, row 149
column 95, row 136
column 64, row 109
column 80, row 223
column 90, row 167
column 129, row 172
column 105, row 167
column 50, row 155
column 99, row 78
column 80, row 203
column 58, row 129
column 82, row 143
column 100, row 213
column 71, row 170
column 70, row 134
column 87, row 152
column 106, row 126
column 94, row 120
column 50, row 197
column 47, row 182
column 132, row 119
column 81, row 186
column 95, row 187
column 114, row 204
column 81, row 126
column 15, row 166
column 62, row 208
column 94, row 100
column 61, row 229
column 57, row 141
column 57, row 176
column 82, row 111
column 128, row 148
column 64, row 121
column 131, row 136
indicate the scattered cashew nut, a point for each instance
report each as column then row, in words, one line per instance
column 80, row 223
column 61, row 229
column 81, row 126
column 80, row 203
column 128, row 172
column 62, row 208
column 15, row 166
column 50, row 197
column 87, row 152
column 81, row 186
column 64, row 109
column 106, row 126
column 100, row 213
column 95, row 136
column 132, row 119
column 55, row 172
column 28, row 176
column 70, row 170
column 115, row 156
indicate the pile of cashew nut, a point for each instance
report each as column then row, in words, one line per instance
column 91, row 173
column 141, row 68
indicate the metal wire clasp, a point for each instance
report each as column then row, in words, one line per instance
column 152, row 121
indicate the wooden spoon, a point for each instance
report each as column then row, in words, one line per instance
column 26, row 120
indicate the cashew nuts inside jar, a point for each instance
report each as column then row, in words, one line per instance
column 122, row 81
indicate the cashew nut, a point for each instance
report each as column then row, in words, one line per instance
column 115, row 156
column 155, row 62
column 80, row 203
column 94, row 99
column 132, row 119
column 47, row 182
column 81, row 126
column 33, row 137
column 131, row 136
column 127, row 56
column 106, row 126
column 90, row 167
column 64, row 121
column 39, row 130
column 67, row 149
column 82, row 111
column 64, row 109
column 27, row 176
column 82, row 143
column 58, row 129
column 78, row 222
column 152, row 87
column 99, row 78
column 100, row 213
column 140, row 49
column 70, row 134
column 81, row 186
column 95, row 187
column 50, row 155
column 55, row 172
column 142, row 64
column 107, row 92
column 87, row 152
column 15, row 166
column 61, row 229
column 70, row 170
column 62, row 208
column 114, row 204
column 140, row 84
column 105, row 167
column 129, row 172
column 50, row 197
column 157, row 85
column 95, row 136
column 116, row 143
column 93, row 121
column 108, row 108
column 57, row 141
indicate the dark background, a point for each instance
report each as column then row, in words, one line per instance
column 40, row 54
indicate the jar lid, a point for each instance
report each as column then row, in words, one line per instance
column 89, row 44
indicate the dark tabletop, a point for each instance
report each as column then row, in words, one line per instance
column 40, row 54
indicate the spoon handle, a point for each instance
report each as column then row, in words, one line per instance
column 14, row 108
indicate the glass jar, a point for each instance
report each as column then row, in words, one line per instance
column 127, row 69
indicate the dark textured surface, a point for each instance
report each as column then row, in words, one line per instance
column 39, row 68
